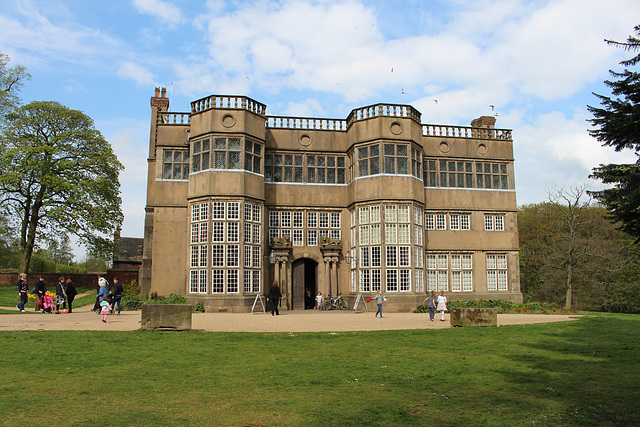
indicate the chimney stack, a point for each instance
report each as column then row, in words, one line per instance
column 487, row 122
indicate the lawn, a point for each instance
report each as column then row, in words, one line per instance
column 9, row 297
column 582, row 372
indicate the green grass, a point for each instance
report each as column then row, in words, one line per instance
column 582, row 372
column 9, row 298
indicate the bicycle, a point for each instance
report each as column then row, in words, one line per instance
column 338, row 302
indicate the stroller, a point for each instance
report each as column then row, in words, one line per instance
column 46, row 304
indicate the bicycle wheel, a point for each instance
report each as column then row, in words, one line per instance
column 343, row 304
column 326, row 305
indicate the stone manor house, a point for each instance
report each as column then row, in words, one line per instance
column 238, row 199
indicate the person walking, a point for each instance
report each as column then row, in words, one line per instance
column 274, row 296
column 61, row 296
column 105, row 308
column 431, row 304
column 71, row 293
column 103, row 291
column 23, row 291
column 442, row 305
column 379, row 300
column 117, row 295
column 40, row 290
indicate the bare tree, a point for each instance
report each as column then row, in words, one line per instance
column 569, row 208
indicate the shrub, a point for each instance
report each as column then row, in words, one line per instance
column 171, row 299
column 131, row 289
column 132, row 302
column 198, row 308
column 503, row 306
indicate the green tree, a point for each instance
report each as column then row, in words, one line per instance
column 60, row 250
column 11, row 81
column 617, row 125
column 59, row 175
column 570, row 250
column 535, row 232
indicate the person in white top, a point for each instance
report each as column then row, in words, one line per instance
column 442, row 305
column 319, row 299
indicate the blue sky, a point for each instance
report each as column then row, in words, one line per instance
column 536, row 61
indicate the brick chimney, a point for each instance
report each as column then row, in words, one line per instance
column 160, row 100
column 488, row 122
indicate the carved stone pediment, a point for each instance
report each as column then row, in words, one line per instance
column 327, row 244
column 281, row 242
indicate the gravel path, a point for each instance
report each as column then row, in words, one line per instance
column 289, row 321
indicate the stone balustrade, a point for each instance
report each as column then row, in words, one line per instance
column 447, row 131
column 274, row 122
column 383, row 110
column 168, row 118
column 228, row 103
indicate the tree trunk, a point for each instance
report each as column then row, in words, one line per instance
column 29, row 243
column 567, row 302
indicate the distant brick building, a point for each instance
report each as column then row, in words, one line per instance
column 237, row 199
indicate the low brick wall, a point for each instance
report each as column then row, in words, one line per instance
column 474, row 316
column 166, row 316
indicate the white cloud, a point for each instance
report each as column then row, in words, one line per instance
column 307, row 108
column 557, row 150
column 546, row 50
column 137, row 73
column 162, row 10
column 39, row 40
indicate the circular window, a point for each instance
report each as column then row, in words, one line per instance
column 305, row 140
column 482, row 149
column 444, row 146
column 396, row 128
column 228, row 120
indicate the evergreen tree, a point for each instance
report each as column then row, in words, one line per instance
column 617, row 125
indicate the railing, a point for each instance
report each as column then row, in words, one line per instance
column 465, row 132
column 229, row 103
column 169, row 118
column 383, row 110
column 274, row 122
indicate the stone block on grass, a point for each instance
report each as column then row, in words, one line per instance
column 166, row 316
column 474, row 316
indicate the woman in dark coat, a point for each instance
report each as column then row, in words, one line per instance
column 61, row 296
column 71, row 293
column 274, row 297
column 40, row 290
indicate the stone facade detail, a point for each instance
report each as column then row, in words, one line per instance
column 238, row 199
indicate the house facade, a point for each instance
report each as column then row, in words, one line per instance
column 238, row 199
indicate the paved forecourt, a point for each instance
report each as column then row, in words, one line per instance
column 83, row 318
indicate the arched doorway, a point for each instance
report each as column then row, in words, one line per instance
column 304, row 284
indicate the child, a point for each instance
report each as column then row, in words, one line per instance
column 105, row 308
column 319, row 299
column 442, row 305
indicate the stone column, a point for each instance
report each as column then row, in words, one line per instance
column 334, row 273
column 281, row 261
column 276, row 272
column 327, row 276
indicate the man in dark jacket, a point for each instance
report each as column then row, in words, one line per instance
column 274, row 297
column 117, row 295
